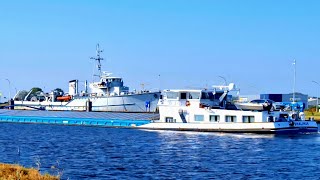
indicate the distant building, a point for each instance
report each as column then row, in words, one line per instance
column 312, row 102
column 299, row 97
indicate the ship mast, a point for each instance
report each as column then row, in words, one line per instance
column 98, row 58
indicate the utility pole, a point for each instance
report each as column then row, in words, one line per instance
column 317, row 109
column 9, row 89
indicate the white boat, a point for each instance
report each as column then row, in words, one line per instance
column 210, row 110
column 107, row 94
column 256, row 105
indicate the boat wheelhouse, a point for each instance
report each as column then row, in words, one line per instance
column 108, row 86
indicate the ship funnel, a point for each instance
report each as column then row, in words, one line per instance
column 73, row 87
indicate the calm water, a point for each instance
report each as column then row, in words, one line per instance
column 112, row 153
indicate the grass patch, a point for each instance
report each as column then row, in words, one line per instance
column 15, row 172
column 311, row 113
column 316, row 118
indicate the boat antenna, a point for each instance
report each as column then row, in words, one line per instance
column 98, row 58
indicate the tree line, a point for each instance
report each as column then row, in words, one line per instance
column 35, row 93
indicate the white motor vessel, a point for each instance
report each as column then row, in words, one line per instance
column 210, row 110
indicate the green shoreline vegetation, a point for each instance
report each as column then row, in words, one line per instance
column 17, row 172
column 312, row 113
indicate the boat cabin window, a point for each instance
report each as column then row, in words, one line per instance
column 194, row 95
column 170, row 120
column 271, row 119
column 198, row 118
column 283, row 117
column 114, row 80
column 183, row 95
column 247, row 119
column 210, row 95
column 214, row 118
column 231, row 118
column 204, row 95
column 217, row 95
column 172, row 95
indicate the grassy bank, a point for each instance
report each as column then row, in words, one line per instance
column 316, row 118
column 311, row 113
column 15, row 172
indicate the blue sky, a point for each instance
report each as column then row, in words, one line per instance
column 189, row 43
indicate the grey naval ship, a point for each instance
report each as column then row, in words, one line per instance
column 107, row 94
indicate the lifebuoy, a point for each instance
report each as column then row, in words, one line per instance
column 187, row 103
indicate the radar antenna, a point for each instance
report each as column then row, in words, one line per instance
column 98, row 58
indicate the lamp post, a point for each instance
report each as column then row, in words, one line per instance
column 225, row 81
column 317, row 95
column 9, row 89
column 294, row 80
column 159, row 82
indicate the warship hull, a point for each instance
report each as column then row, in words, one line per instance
column 144, row 102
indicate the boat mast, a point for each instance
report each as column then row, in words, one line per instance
column 98, row 58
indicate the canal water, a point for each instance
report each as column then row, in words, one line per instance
column 113, row 153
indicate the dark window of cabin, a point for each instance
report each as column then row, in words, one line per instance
column 183, row 96
column 247, row 119
column 214, row 118
column 170, row 120
column 231, row 118
column 211, row 96
column 204, row 95
column 217, row 95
